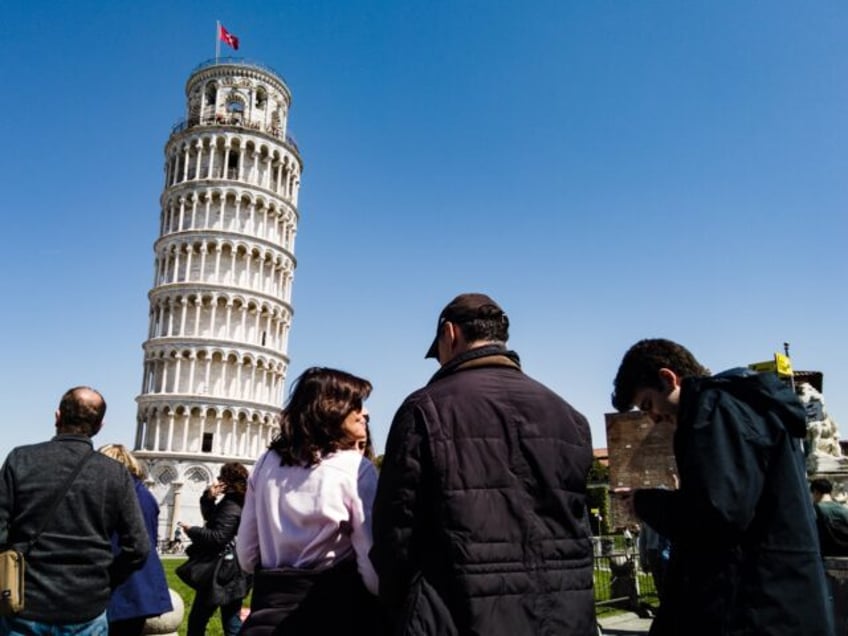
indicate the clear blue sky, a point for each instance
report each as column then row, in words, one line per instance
column 608, row 171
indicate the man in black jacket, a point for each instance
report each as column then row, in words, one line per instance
column 480, row 519
column 744, row 553
column 70, row 568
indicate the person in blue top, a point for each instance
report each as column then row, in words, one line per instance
column 145, row 593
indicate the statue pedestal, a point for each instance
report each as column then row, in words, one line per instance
column 168, row 623
column 822, row 465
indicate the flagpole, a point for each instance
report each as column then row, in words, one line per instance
column 791, row 377
column 217, row 40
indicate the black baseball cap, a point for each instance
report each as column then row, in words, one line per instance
column 464, row 308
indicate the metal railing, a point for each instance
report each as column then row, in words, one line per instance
column 238, row 61
column 237, row 122
column 619, row 578
column 171, row 546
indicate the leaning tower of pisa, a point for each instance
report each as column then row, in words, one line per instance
column 220, row 307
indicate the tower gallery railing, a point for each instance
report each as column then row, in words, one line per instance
column 239, row 61
column 234, row 121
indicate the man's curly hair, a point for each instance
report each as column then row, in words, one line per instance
column 640, row 368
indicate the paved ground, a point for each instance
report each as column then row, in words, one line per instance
column 625, row 624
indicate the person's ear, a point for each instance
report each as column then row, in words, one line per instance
column 448, row 331
column 670, row 380
column 451, row 330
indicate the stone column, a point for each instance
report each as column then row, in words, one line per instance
column 171, row 431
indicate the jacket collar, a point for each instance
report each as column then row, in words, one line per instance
column 69, row 437
column 486, row 356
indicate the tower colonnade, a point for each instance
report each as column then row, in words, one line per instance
column 185, row 430
column 231, row 374
column 228, row 262
column 229, row 210
column 221, row 156
column 248, row 318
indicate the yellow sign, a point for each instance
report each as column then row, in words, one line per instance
column 763, row 367
column 781, row 365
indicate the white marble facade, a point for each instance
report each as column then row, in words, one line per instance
column 215, row 358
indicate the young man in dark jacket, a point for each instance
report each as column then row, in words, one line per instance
column 70, row 570
column 480, row 520
column 744, row 556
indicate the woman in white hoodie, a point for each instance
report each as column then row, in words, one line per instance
column 306, row 525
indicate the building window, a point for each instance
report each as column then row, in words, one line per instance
column 235, row 111
column 206, row 445
column 211, row 94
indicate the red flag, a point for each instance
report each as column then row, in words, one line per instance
column 227, row 37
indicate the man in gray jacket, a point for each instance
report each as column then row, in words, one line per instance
column 70, row 566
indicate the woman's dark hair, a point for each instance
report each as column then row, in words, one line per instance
column 234, row 475
column 311, row 424
column 641, row 365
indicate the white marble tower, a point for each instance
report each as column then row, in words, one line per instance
column 215, row 358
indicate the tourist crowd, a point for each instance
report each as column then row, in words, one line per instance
column 476, row 523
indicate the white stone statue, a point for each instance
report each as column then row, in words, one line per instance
column 825, row 454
